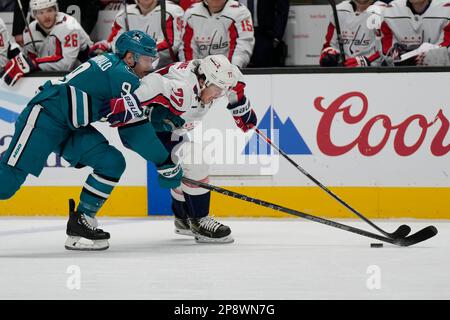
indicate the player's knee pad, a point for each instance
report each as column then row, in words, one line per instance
column 112, row 163
column 194, row 190
column 11, row 181
column 198, row 172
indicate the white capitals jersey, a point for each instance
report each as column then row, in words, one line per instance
column 228, row 32
column 359, row 37
column 6, row 44
column 151, row 24
column 177, row 88
column 58, row 49
column 402, row 25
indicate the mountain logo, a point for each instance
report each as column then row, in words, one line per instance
column 284, row 134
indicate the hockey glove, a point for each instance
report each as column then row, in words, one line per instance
column 243, row 114
column 163, row 120
column 169, row 174
column 99, row 48
column 16, row 68
column 394, row 53
column 329, row 57
column 357, row 62
column 124, row 110
column 434, row 57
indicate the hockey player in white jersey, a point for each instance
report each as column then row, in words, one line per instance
column 178, row 97
column 413, row 29
column 360, row 40
column 55, row 42
column 8, row 47
column 145, row 16
column 218, row 27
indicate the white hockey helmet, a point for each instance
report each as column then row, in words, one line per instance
column 42, row 4
column 218, row 70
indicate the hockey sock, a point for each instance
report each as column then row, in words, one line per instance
column 180, row 209
column 95, row 192
column 198, row 205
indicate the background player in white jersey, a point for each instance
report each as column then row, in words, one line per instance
column 180, row 95
column 218, row 27
column 145, row 16
column 8, row 47
column 415, row 24
column 55, row 42
column 360, row 41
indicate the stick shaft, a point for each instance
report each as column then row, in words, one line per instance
column 288, row 211
column 338, row 31
column 162, row 4
column 127, row 24
column 27, row 24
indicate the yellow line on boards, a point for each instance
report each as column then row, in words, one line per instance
column 53, row 201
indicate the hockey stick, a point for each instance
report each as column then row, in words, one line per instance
column 422, row 235
column 401, row 232
column 127, row 24
column 162, row 3
column 338, row 31
column 27, row 24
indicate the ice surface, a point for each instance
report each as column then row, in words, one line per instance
column 270, row 259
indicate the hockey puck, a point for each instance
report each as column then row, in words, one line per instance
column 376, row 245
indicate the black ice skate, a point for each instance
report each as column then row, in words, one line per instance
column 182, row 227
column 81, row 226
column 208, row 230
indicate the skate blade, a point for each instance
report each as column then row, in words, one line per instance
column 224, row 240
column 184, row 232
column 75, row 243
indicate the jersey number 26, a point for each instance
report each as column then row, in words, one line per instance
column 71, row 40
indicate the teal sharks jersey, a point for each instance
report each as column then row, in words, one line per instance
column 83, row 96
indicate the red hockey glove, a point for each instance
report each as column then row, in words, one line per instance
column 16, row 68
column 329, row 57
column 357, row 62
column 243, row 114
column 99, row 48
column 124, row 110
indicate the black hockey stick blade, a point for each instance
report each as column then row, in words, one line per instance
column 419, row 236
column 401, row 232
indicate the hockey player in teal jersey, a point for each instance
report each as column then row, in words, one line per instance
column 58, row 119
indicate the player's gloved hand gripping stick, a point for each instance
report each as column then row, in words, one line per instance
column 124, row 110
column 17, row 67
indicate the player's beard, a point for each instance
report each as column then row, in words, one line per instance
column 48, row 23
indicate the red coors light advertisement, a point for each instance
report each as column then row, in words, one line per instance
column 344, row 109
